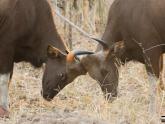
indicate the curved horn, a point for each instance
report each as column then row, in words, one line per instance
column 105, row 46
column 71, row 55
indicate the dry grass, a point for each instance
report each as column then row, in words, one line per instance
column 83, row 96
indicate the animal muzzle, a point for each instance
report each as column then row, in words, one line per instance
column 48, row 96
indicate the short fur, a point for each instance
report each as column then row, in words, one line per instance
column 140, row 24
column 26, row 29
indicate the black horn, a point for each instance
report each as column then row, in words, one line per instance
column 77, row 53
column 105, row 46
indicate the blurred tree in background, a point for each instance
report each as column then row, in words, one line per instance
column 90, row 15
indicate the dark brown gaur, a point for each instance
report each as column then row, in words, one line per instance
column 26, row 29
column 133, row 27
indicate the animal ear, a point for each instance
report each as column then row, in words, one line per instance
column 119, row 46
column 54, row 52
column 116, row 50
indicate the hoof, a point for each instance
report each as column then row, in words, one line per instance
column 3, row 113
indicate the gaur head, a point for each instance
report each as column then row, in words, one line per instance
column 62, row 68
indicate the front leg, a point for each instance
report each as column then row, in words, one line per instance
column 4, row 104
column 6, row 67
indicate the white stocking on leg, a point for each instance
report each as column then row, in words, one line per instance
column 4, row 104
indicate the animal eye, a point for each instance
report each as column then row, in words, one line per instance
column 62, row 76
